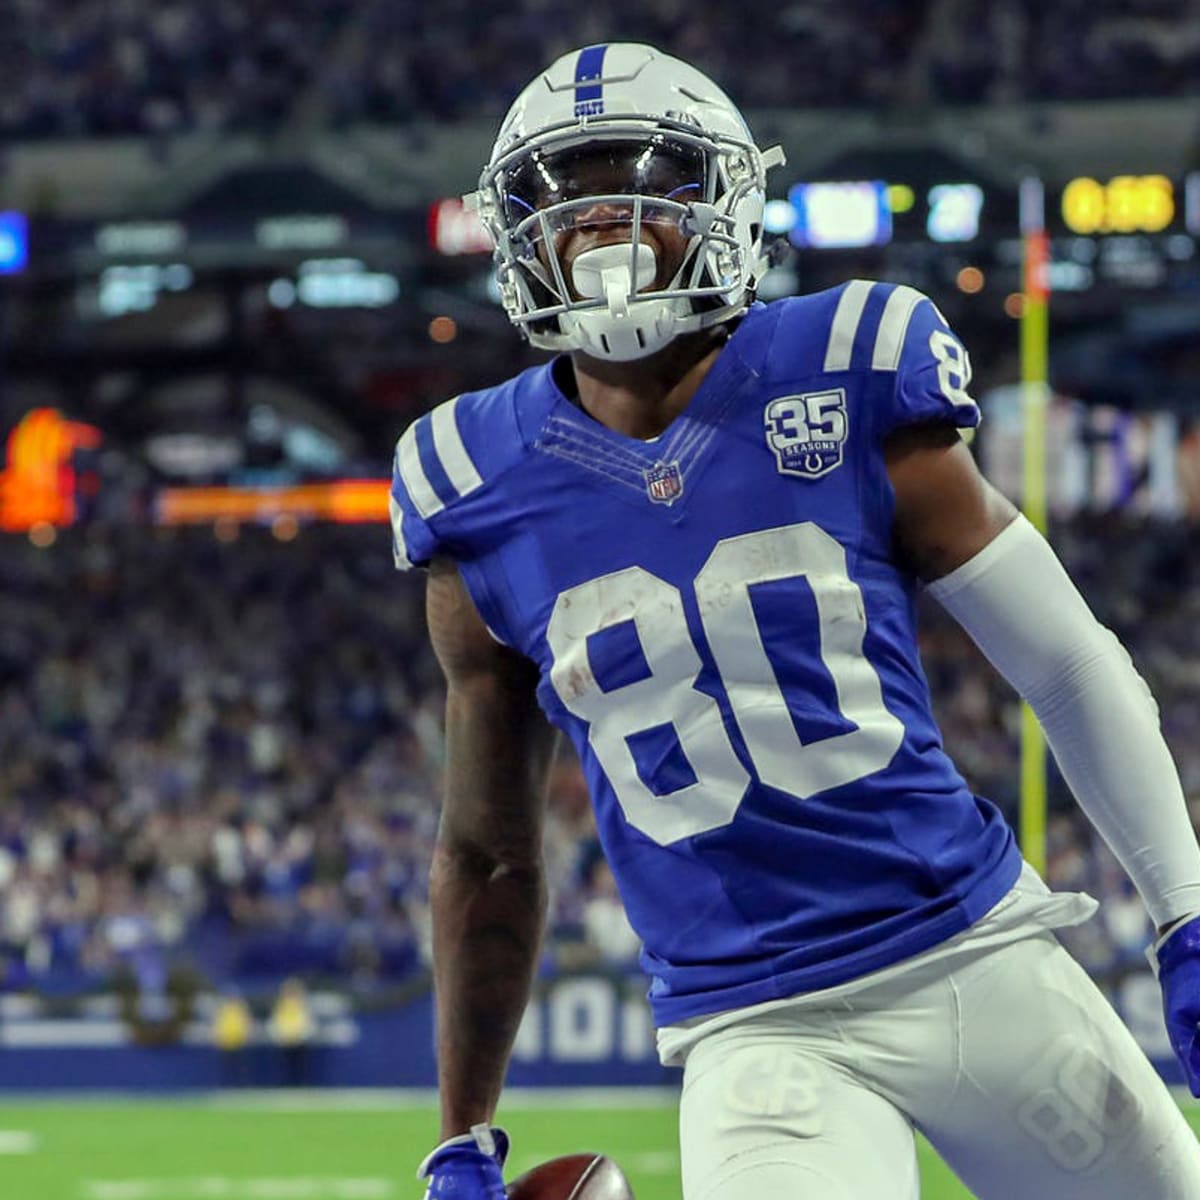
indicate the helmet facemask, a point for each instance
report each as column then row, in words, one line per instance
column 560, row 202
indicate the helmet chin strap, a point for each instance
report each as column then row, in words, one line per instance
column 612, row 332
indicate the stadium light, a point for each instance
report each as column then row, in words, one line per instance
column 14, row 243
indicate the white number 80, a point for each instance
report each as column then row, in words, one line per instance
column 668, row 693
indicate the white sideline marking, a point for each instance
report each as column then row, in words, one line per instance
column 17, row 1141
column 223, row 1187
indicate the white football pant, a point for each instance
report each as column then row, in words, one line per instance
column 1009, row 1060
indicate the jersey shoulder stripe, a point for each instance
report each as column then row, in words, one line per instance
column 412, row 475
column 887, row 344
column 839, row 350
column 870, row 325
column 451, row 450
column 433, row 461
column 893, row 327
column 401, row 554
column 451, row 457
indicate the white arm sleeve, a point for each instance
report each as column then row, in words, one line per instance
column 1021, row 609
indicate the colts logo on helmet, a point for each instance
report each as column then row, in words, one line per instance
column 807, row 433
column 589, row 88
column 664, row 482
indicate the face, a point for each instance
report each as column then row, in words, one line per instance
column 611, row 172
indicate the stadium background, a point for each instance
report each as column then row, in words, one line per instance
column 232, row 270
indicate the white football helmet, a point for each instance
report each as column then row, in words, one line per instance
column 623, row 137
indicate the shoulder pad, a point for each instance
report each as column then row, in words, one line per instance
column 933, row 370
column 433, row 463
column 835, row 330
column 442, row 460
column 859, row 325
column 869, row 328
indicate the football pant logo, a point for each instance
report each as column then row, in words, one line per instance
column 807, row 433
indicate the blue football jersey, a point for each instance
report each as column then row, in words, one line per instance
column 721, row 629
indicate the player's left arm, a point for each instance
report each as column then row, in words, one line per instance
column 946, row 512
column 1004, row 584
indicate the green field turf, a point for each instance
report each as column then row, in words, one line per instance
column 321, row 1148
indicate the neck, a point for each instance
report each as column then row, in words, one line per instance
column 641, row 398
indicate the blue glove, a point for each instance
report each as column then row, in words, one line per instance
column 1177, row 956
column 468, row 1167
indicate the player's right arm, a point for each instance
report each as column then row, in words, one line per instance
column 487, row 889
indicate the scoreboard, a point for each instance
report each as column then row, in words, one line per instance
column 845, row 214
column 1130, row 204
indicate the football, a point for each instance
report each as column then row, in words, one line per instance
column 572, row 1177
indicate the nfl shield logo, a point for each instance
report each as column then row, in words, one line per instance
column 664, row 482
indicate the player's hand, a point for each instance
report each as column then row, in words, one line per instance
column 468, row 1167
column 1178, row 960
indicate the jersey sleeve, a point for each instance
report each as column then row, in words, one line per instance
column 414, row 543
column 933, row 369
column 433, row 472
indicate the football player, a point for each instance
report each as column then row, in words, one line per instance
column 693, row 540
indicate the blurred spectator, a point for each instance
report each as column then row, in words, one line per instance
column 293, row 1029
column 605, row 925
column 89, row 68
column 232, row 1025
column 167, row 793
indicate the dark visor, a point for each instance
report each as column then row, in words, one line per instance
column 661, row 166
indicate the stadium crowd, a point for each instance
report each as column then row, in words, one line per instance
column 91, row 67
column 231, row 745
column 224, row 751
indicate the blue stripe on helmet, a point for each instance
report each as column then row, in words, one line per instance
column 589, row 92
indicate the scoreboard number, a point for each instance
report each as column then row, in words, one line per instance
column 1125, row 204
